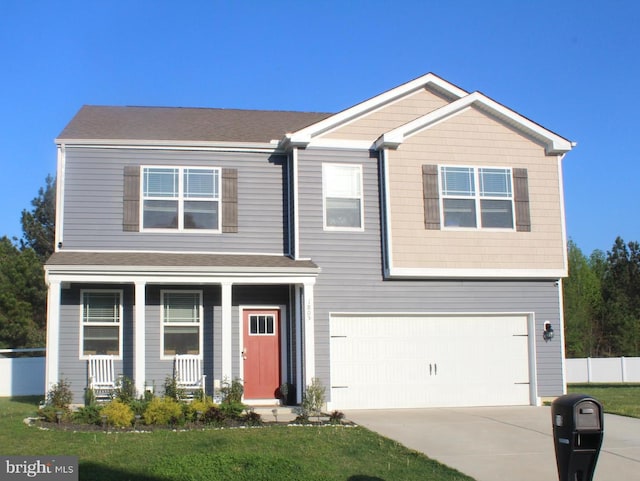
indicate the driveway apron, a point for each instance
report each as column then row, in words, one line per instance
column 496, row 443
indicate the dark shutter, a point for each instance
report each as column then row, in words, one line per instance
column 521, row 200
column 229, row 200
column 131, row 199
column 431, row 197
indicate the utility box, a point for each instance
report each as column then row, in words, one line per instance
column 577, row 435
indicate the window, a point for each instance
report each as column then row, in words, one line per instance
column 181, row 322
column 262, row 325
column 477, row 198
column 342, row 191
column 181, row 198
column 101, row 330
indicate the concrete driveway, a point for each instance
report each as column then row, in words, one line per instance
column 496, row 443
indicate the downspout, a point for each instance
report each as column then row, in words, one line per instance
column 59, row 216
column 385, row 213
column 295, row 248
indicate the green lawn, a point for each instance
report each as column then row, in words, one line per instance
column 269, row 453
column 622, row 399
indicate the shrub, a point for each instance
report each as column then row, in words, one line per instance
column 118, row 414
column 50, row 414
column 125, row 390
column 313, row 399
column 232, row 391
column 60, row 395
column 214, row 415
column 196, row 405
column 163, row 411
column 336, row 417
column 232, row 410
column 171, row 388
column 252, row 418
column 89, row 414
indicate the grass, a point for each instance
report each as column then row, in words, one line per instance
column 621, row 399
column 270, row 453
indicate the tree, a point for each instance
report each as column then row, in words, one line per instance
column 621, row 295
column 22, row 297
column 582, row 305
column 38, row 225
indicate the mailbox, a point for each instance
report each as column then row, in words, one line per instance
column 577, row 435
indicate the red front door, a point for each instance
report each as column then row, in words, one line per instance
column 261, row 353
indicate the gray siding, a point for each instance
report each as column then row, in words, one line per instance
column 352, row 274
column 93, row 202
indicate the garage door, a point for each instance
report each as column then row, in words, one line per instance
column 424, row 361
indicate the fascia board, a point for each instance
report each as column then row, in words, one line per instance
column 302, row 137
column 553, row 142
column 455, row 273
column 169, row 144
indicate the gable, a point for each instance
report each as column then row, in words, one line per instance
column 369, row 126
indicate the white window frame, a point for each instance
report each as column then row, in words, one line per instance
column 477, row 197
column 326, row 172
column 120, row 322
column 180, row 199
column 200, row 322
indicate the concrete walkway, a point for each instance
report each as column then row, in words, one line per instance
column 498, row 443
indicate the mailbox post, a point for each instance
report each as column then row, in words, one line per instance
column 577, row 435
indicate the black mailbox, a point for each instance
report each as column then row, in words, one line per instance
column 577, row 435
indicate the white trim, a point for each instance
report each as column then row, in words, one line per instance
column 180, row 199
column 340, row 144
column 325, row 182
column 60, row 187
column 452, row 273
column 565, row 251
column 139, row 336
column 226, row 328
column 295, row 208
column 215, row 146
column 534, row 399
column 120, row 324
column 53, row 333
column 477, row 197
column 303, row 137
column 309, row 333
column 560, row 334
column 554, row 143
column 299, row 321
column 200, row 322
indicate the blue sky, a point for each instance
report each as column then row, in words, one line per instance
column 572, row 66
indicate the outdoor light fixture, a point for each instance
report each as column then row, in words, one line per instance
column 547, row 333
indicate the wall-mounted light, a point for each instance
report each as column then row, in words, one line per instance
column 547, row 333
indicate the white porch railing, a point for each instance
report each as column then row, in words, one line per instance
column 21, row 376
column 605, row 369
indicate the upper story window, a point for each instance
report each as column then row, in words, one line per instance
column 101, row 330
column 342, row 196
column 181, row 323
column 477, row 197
column 181, row 198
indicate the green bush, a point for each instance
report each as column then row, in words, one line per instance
column 88, row 415
column 232, row 391
column 196, row 405
column 125, row 390
column 60, row 395
column 171, row 388
column 50, row 414
column 118, row 414
column 313, row 399
column 163, row 411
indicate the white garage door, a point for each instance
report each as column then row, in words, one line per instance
column 422, row 361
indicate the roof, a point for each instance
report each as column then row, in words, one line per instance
column 94, row 122
column 168, row 261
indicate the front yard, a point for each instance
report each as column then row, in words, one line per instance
column 621, row 399
column 266, row 453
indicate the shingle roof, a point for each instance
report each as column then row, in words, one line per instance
column 171, row 260
column 184, row 124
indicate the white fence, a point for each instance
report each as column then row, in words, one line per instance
column 613, row 369
column 21, row 376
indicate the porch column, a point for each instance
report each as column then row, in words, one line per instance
column 309, row 334
column 53, row 334
column 139, row 348
column 227, row 324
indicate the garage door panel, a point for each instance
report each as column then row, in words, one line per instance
column 420, row 361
